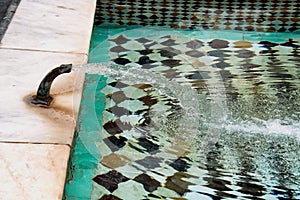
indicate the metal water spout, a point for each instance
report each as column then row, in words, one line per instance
column 42, row 96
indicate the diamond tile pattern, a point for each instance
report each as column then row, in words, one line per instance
column 163, row 169
column 255, row 15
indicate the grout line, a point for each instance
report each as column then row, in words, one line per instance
column 37, row 50
column 37, row 143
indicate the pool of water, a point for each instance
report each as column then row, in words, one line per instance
column 182, row 114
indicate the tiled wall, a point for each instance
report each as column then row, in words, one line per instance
column 247, row 15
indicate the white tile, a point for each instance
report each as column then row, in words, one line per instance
column 196, row 196
column 32, row 171
column 55, row 25
column 136, row 190
column 20, row 75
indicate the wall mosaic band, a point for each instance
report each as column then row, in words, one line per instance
column 248, row 15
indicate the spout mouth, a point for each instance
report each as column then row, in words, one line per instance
column 42, row 96
column 65, row 68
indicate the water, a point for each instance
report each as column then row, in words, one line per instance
column 223, row 124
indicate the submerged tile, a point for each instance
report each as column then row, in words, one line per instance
column 109, row 197
column 155, row 160
column 176, row 183
column 112, row 127
column 121, row 39
column 194, row 44
column 150, row 162
column 181, row 164
column 115, row 142
column 150, row 146
column 130, row 190
column 149, row 183
column 218, row 44
column 242, row 44
column 114, row 160
column 110, row 180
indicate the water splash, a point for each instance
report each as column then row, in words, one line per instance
column 266, row 127
column 242, row 147
column 188, row 98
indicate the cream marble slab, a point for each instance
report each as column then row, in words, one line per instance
column 52, row 25
column 31, row 172
column 20, row 75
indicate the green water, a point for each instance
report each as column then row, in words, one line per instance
column 246, row 142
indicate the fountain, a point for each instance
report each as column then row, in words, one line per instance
column 42, row 96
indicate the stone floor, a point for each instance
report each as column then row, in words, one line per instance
column 35, row 142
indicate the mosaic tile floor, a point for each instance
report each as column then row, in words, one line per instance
column 246, row 15
column 141, row 150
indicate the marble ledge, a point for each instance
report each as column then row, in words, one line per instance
column 21, row 74
column 33, row 171
column 56, row 26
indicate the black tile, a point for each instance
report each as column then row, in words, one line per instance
column 145, row 51
column 150, row 162
column 268, row 44
column 143, row 60
column 148, row 145
column 119, row 111
column 218, row 44
column 217, row 184
column 118, row 84
column 143, row 40
column 120, row 39
column 171, row 62
column 196, row 76
column 194, row 44
column 291, row 43
column 121, row 61
column 167, row 53
column 194, row 53
column 109, row 197
column 178, row 185
column 244, row 53
column 148, row 100
column 251, row 188
column 119, row 96
column 110, row 180
column 170, row 73
column 118, row 49
column 112, row 128
column 218, row 53
column 180, row 164
column 149, row 183
column 115, row 143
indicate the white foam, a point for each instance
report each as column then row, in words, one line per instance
column 272, row 126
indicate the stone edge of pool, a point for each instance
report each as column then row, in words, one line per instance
column 35, row 143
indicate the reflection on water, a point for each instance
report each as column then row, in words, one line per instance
column 194, row 118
